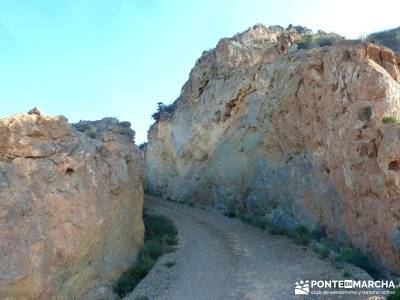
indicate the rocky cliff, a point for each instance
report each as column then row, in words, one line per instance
column 70, row 207
column 298, row 136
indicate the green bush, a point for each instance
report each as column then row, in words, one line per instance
column 389, row 120
column 231, row 214
column 278, row 230
column 162, row 110
column 157, row 226
column 88, row 129
column 170, row 264
column 254, row 221
column 396, row 295
column 160, row 235
column 246, row 218
column 317, row 39
column 146, row 262
column 171, row 239
column 92, row 133
column 128, row 280
column 365, row 114
column 324, row 249
column 300, row 235
column 355, row 257
column 152, row 248
column 346, row 274
column 142, row 146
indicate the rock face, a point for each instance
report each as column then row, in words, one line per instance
column 295, row 136
column 70, row 207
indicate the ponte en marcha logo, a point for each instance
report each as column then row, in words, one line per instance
column 344, row 287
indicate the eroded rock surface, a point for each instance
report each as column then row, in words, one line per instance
column 70, row 207
column 296, row 136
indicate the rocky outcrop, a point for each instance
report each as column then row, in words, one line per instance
column 299, row 137
column 70, row 207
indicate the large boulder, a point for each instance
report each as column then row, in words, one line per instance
column 70, row 207
column 298, row 136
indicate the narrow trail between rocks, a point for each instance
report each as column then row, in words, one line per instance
column 223, row 258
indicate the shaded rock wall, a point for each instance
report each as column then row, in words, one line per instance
column 296, row 136
column 70, row 207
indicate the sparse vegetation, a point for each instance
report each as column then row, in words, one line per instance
column 160, row 238
column 182, row 201
column 346, row 274
column 155, row 194
column 92, row 133
column 157, row 227
column 254, row 221
column 396, row 295
column 323, row 249
column 317, row 39
column 170, row 239
column 387, row 38
column 355, row 257
column 142, row 298
column 142, row 146
column 231, row 214
column 365, row 114
column 162, row 110
column 152, row 249
column 300, row 235
column 389, row 120
column 88, row 129
column 170, row 264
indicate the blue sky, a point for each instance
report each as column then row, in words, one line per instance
column 87, row 59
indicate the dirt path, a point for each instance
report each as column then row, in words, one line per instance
column 222, row 258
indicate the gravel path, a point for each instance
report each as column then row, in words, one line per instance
column 223, row 258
